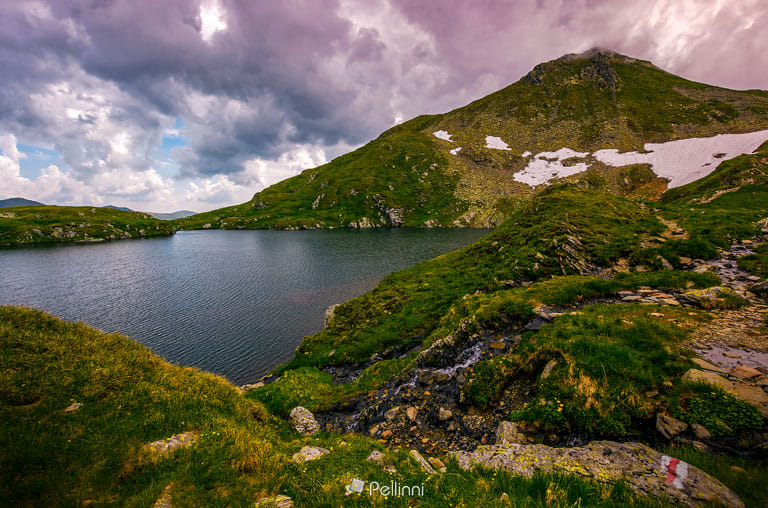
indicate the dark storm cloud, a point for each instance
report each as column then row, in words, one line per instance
column 323, row 73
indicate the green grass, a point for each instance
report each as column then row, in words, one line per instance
column 131, row 397
column 35, row 225
column 720, row 412
column 608, row 357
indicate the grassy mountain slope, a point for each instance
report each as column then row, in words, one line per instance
column 97, row 455
column 71, row 224
column 408, row 177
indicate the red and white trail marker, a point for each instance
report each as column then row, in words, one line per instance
column 676, row 469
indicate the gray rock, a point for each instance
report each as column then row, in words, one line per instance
column 279, row 501
column 647, row 471
column 509, row 432
column 73, row 407
column 169, row 444
column 669, row 427
column 330, row 313
column 304, row 421
column 308, row 453
column 700, row 431
column 391, row 413
column 426, row 466
column 548, row 369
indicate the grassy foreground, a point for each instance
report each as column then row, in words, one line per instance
column 35, row 225
column 130, row 397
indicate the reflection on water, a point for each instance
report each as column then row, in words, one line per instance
column 236, row 303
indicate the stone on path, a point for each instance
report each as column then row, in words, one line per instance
column 169, row 444
column 647, row 471
column 304, row 421
column 309, row 453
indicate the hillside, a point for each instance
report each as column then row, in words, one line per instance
column 71, row 224
column 95, row 419
column 474, row 166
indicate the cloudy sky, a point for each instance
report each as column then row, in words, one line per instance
column 197, row 104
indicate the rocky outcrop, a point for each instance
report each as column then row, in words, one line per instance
column 304, row 421
column 330, row 312
column 647, row 471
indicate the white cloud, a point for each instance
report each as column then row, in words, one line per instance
column 212, row 19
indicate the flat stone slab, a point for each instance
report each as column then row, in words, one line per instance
column 169, row 444
column 705, row 365
column 754, row 395
column 309, row 453
column 647, row 471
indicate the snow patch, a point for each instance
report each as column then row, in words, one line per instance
column 455, row 151
column 548, row 165
column 686, row 160
column 442, row 135
column 526, row 154
column 496, row 142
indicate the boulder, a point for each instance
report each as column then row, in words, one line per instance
column 706, row 298
column 647, row 471
column 669, row 427
column 700, row 431
column 700, row 376
column 509, row 432
column 309, row 453
column 304, row 421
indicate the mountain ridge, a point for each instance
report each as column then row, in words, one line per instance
column 459, row 169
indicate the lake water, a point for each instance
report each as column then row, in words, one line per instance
column 236, row 303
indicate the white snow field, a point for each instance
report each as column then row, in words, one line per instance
column 496, row 142
column 442, row 135
column 526, row 154
column 686, row 160
column 682, row 161
column 548, row 165
column 455, row 151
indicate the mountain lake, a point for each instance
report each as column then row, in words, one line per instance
column 235, row 303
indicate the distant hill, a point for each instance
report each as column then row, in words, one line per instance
column 171, row 215
column 76, row 224
column 476, row 165
column 124, row 209
column 5, row 203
